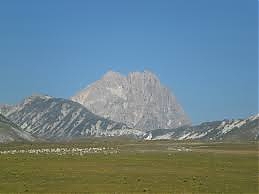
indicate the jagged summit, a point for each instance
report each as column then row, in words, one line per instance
column 145, row 73
column 37, row 95
column 138, row 99
column 111, row 73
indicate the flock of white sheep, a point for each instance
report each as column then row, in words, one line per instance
column 62, row 151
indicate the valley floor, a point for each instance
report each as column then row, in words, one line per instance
column 132, row 167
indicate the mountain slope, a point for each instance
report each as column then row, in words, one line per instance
column 10, row 132
column 56, row 118
column 231, row 130
column 139, row 100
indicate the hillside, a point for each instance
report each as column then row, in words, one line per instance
column 10, row 132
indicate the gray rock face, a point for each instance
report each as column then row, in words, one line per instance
column 55, row 118
column 138, row 100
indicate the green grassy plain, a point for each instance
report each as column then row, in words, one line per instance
column 139, row 167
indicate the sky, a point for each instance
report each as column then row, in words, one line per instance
column 204, row 51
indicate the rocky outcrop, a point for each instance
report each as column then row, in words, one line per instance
column 138, row 100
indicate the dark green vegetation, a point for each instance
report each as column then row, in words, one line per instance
column 152, row 166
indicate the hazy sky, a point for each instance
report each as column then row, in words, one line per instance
column 205, row 51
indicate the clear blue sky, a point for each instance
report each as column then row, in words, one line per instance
column 205, row 51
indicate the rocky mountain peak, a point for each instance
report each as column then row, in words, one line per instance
column 139, row 100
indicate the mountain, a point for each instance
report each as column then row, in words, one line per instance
column 226, row 130
column 10, row 132
column 49, row 118
column 138, row 100
column 52, row 118
column 56, row 118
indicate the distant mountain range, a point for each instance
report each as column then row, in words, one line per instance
column 226, row 130
column 136, row 106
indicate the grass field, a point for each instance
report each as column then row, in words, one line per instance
column 138, row 167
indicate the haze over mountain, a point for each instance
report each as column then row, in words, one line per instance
column 138, row 100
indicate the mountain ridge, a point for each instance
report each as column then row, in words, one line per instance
column 49, row 117
column 230, row 130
